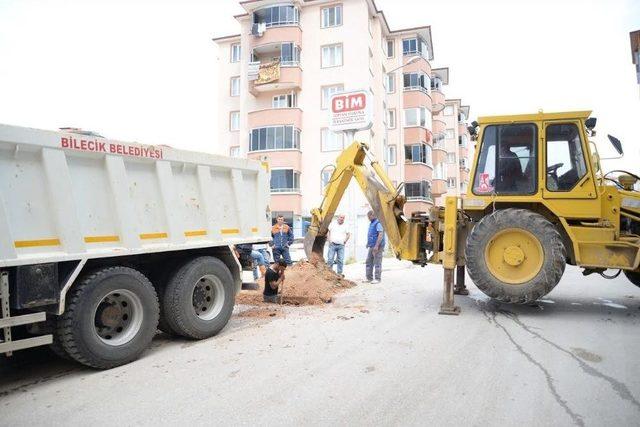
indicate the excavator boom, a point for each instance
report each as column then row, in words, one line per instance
column 384, row 199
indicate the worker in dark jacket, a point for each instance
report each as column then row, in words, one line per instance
column 282, row 238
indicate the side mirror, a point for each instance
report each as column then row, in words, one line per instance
column 616, row 144
column 590, row 123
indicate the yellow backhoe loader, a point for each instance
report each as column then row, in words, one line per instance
column 538, row 200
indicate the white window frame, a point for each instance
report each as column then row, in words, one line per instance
column 234, row 119
column 285, row 100
column 392, row 155
column 448, row 110
column 326, row 92
column 235, row 52
column 331, row 141
column 332, row 50
column 234, row 84
column 296, row 174
column 391, row 118
column 234, row 151
column 451, row 182
column 451, row 158
column 390, row 82
column 449, row 133
column 392, row 43
column 422, row 117
column 325, row 16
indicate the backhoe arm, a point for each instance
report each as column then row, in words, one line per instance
column 404, row 237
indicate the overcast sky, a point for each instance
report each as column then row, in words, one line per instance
column 145, row 70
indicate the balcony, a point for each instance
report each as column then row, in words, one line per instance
column 417, row 172
column 275, row 116
column 273, row 76
column 414, row 98
column 439, row 126
column 286, row 203
column 437, row 99
column 271, row 17
column 276, row 35
column 438, row 186
column 464, row 176
column 415, row 134
column 439, row 153
column 279, row 159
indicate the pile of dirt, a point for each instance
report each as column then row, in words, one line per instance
column 305, row 284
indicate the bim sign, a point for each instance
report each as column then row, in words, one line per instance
column 351, row 111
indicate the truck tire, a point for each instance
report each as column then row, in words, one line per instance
column 633, row 276
column 110, row 318
column 515, row 256
column 199, row 298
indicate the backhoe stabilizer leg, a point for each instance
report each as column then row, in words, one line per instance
column 448, row 306
column 460, row 288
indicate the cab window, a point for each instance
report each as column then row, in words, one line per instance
column 506, row 164
column 566, row 164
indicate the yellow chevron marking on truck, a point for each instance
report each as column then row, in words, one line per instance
column 230, row 231
column 254, row 229
column 101, row 239
column 36, row 243
column 195, row 233
column 147, row 236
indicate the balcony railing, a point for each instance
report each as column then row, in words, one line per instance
column 420, row 88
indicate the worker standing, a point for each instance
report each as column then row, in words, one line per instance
column 273, row 279
column 338, row 238
column 282, row 238
column 375, row 246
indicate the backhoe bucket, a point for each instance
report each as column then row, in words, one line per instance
column 314, row 245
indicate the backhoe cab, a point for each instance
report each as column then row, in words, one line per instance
column 539, row 201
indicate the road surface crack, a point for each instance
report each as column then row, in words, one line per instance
column 491, row 317
column 619, row 387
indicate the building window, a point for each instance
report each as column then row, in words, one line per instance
column 440, row 171
column 451, row 158
column 392, row 155
column 234, row 120
column 274, row 16
column 449, row 133
column 438, row 141
column 418, row 153
column 285, row 101
column 331, row 141
column 235, row 52
column 451, row 183
column 274, row 138
column 464, row 163
column 234, row 152
column 285, row 181
column 325, row 177
column 327, row 92
column 417, row 117
column 235, row 86
column 415, row 46
column 417, row 81
column 448, row 110
column 436, row 83
column 420, row 190
column 331, row 56
column 390, row 82
column 391, row 119
column 390, row 48
column 332, row 16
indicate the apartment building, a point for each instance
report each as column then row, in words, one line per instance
column 635, row 51
column 276, row 78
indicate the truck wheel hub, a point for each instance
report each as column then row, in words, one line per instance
column 513, row 256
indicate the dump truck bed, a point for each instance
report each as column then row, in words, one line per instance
column 68, row 196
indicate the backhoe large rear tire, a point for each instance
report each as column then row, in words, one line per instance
column 633, row 276
column 515, row 256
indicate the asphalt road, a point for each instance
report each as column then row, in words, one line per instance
column 380, row 354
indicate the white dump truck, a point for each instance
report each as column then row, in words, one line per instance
column 102, row 242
